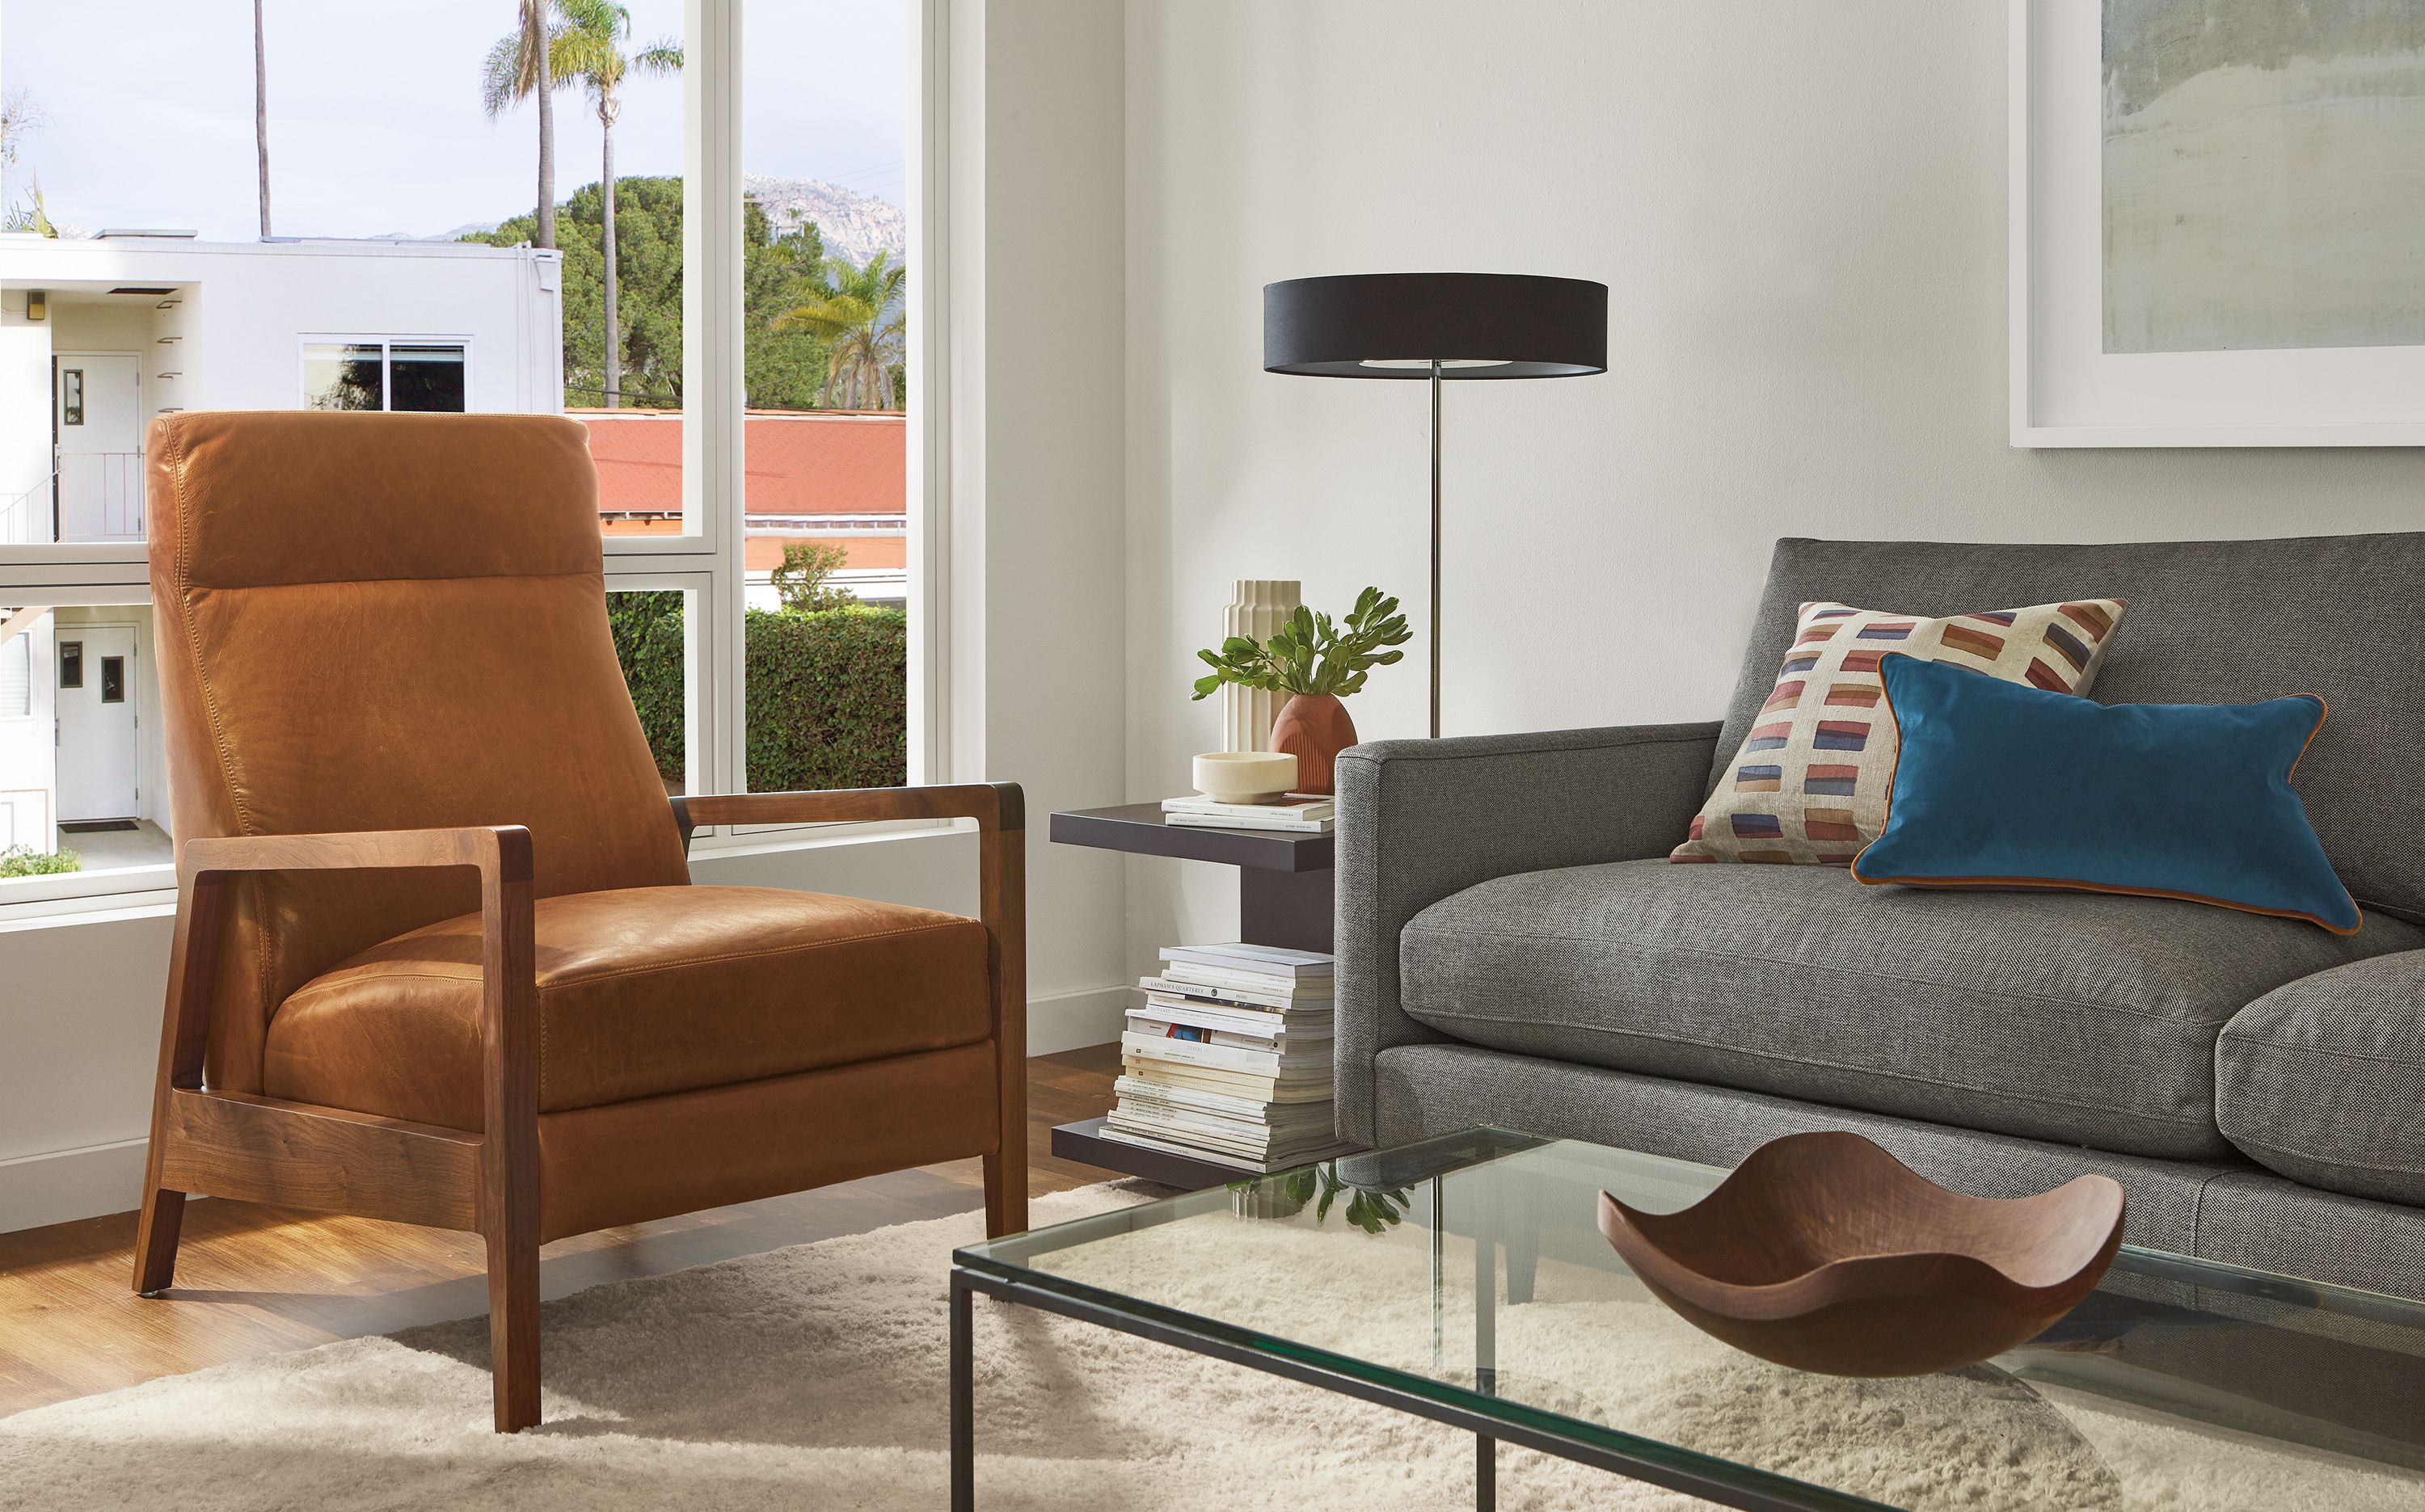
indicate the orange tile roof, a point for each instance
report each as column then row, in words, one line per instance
column 764, row 553
column 824, row 463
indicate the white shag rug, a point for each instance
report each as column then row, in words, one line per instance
column 814, row 1377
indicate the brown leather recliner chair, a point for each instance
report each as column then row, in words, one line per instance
column 438, row 958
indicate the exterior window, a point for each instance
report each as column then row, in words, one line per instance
column 377, row 374
column 72, row 397
column 16, row 677
column 426, row 377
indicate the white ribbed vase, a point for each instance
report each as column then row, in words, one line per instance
column 1256, row 609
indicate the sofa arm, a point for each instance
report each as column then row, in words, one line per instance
column 1421, row 819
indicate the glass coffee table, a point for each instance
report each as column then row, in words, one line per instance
column 1463, row 1279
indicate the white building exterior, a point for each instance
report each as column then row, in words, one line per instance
column 98, row 335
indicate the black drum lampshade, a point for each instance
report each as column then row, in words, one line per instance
column 1473, row 325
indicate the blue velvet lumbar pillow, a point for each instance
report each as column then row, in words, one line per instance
column 1998, row 785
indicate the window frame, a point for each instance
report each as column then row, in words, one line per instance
column 706, row 561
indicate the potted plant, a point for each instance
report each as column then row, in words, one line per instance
column 1318, row 664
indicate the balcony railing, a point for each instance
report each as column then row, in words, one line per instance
column 26, row 517
column 95, row 496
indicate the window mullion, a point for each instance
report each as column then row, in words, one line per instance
column 713, row 478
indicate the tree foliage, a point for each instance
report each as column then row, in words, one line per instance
column 783, row 367
column 859, row 313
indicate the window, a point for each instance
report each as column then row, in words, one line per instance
column 826, row 518
column 16, row 674
column 385, row 375
column 760, row 536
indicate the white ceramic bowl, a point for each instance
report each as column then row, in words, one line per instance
column 1246, row 777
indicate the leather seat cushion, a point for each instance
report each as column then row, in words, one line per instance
column 2064, row 1016
column 642, row 991
column 2322, row 1079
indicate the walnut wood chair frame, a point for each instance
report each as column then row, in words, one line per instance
column 330, row 1160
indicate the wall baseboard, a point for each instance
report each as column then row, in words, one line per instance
column 66, row 1184
column 63, row 1185
column 1069, row 1021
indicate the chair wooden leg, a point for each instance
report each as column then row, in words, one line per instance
column 155, row 1241
column 185, row 1024
column 1006, row 1187
column 513, row 1328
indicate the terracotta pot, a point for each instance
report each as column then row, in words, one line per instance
column 1314, row 729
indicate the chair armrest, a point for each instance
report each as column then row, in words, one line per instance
column 501, row 850
column 993, row 805
column 1421, row 819
column 508, row 974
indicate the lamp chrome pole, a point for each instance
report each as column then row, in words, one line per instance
column 1435, row 547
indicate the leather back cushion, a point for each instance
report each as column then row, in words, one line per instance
column 375, row 622
column 2209, row 622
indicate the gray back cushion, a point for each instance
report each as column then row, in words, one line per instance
column 2209, row 622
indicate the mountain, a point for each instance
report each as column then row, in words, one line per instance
column 855, row 226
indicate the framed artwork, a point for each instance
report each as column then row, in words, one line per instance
column 2218, row 223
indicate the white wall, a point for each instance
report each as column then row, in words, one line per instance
column 24, row 402
column 247, row 307
column 1039, row 639
column 1798, row 206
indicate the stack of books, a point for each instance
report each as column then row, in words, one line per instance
column 1229, row 1058
column 1292, row 814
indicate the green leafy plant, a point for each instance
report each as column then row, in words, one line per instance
column 805, row 581
column 1373, row 1209
column 1312, row 655
column 24, row 861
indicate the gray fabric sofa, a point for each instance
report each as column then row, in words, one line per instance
column 1514, row 947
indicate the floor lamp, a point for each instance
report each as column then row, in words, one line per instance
column 1438, row 327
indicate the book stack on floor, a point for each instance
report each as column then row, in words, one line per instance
column 1291, row 814
column 1227, row 1060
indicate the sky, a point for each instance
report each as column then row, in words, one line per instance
column 374, row 119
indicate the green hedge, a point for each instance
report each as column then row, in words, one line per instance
column 829, row 693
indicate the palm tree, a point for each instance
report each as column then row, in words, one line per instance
column 587, row 48
column 261, row 113
column 520, row 67
column 857, row 312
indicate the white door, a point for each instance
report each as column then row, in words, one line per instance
column 99, row 405
column 97, row 699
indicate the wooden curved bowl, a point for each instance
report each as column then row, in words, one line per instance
column 1825, row 1253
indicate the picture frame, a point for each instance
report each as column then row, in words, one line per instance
column 2066, row 390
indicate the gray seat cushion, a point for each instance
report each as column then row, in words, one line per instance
column 2324, row 1080
column 2067, row 1016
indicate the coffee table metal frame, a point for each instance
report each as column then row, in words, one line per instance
column 1514, row 1422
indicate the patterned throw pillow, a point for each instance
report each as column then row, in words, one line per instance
column 1809, row 785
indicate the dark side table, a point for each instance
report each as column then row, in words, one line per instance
column 1284, row 898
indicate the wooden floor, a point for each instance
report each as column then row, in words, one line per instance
column 254, row 1281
